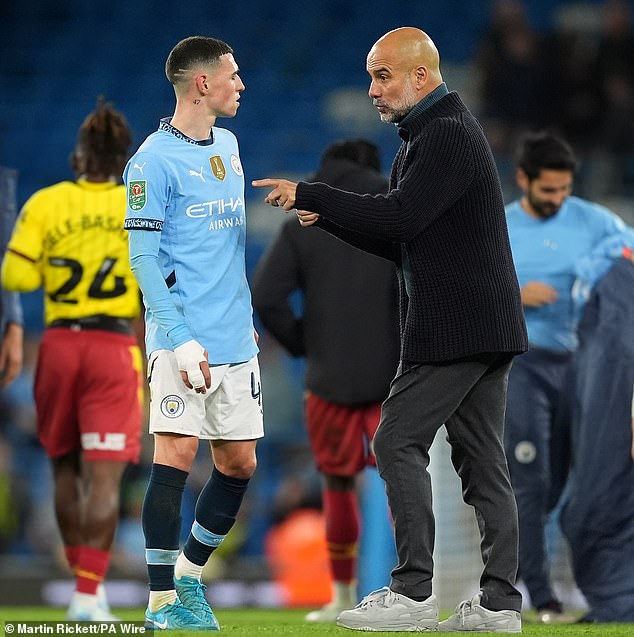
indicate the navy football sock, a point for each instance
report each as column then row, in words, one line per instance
column 216, row 511
column 161, row 519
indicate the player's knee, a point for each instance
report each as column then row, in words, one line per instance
column 101, row 512
column 242, row 467
column 182, row 460
column 176, row 452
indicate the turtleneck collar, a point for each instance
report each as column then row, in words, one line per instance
column 427, row 102
column 421, row 114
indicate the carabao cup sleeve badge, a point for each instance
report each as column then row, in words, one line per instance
column 137, row 195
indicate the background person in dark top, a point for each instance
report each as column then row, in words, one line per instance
column 443, row 224
column 348, row 333
column 510, row 60
column 11, row 323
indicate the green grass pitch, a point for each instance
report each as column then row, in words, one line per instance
column 248, row 622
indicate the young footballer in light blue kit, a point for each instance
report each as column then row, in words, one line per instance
column 187, row 225
column 550, row 231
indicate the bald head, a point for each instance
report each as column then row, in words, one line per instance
column 409, row 48
column 405, row 67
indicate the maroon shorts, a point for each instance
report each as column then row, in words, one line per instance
column 88, row 394
column 340, row 435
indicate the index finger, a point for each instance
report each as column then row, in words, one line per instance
column 263, row 183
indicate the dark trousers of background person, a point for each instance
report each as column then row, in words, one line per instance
column 535, row 400
column 468, row 396
column 597, row 515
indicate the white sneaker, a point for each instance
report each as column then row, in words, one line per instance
column 102, row 602
column 471, row 616
column 326, row 614
column 88, row 608
column 553, row 613
column 385, row 610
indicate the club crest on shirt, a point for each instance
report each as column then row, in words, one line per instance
column 137, row 195
column 525, row 452
column 236, row 165
column 172, row 406
column 218, row 167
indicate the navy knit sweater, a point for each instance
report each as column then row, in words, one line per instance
column 443, row 218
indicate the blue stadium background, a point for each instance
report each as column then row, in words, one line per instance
column 56, row 57
column 303, row 64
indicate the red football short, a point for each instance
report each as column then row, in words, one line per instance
column 88, row 394
column 340, row 435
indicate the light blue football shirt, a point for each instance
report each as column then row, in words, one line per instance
column 187, row 224
column 547, row 250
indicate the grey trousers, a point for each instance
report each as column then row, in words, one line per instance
column 469, row 397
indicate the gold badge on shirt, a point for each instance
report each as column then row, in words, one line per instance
column 217, row 167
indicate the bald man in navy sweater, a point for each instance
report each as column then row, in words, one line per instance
column 443, row 224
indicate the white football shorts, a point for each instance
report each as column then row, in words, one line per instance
column 230, row 410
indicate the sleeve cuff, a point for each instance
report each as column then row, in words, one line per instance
column 179, row 336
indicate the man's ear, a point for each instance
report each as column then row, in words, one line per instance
column 421, row 75
column 521, row 178
column 202, row 83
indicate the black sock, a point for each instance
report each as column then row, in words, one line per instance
column 418, row 598
column 216, row 511
column 161, row 519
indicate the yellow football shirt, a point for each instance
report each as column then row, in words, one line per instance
column 70, row 239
